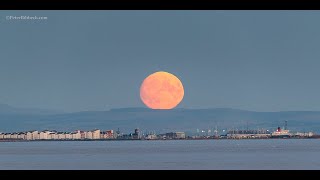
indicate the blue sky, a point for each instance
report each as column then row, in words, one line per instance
column 97, row 60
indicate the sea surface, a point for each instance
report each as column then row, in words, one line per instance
column 277, row 154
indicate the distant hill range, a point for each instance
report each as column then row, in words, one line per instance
column 126, row 119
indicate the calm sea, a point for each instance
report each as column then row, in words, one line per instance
column 185, row 154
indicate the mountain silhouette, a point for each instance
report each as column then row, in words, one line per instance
column 127, row 119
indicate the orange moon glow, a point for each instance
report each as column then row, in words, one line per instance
column 161, row 90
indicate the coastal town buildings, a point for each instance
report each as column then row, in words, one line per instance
column 97, row 134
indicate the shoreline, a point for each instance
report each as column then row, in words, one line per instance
column 60, row 140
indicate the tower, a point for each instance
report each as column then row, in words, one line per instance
column 216, row 131
column 118, row 133
column 285, row 125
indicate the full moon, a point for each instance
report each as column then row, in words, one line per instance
column 161, row 90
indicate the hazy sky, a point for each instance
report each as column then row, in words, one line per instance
column 96, row 60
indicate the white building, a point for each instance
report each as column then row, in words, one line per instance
column 96, row 134
column 68, row 136
column 61, row 135
column 44, row 134
column 89, row 135
column 55, row 136
column 22, row 136
column 305, row 134
column 151, row 136
column 52, row 135
column 7, row 135
column 180, row 135
column 14, row 136
column 1, row 136
column 29, row 135
column 76, row 134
